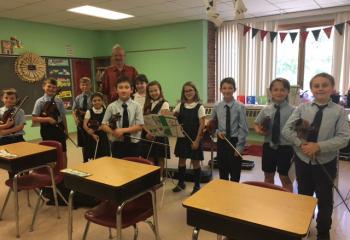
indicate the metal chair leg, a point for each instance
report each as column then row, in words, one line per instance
column 70, row 215
column 150, row 224
column 136, row 231
column 61, row 196
column 54, row 190
column 15, row 189
column 86, row 229
column 28, row 199
column 119, row 222
column 155, row 215
column 36, row 210
column 110, row 233
column 5, row 203
column 195, row 233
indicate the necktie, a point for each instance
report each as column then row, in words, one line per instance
column 316, row 124
column 125, row 123
column 85, row 105
column 276, row 128
column 228, row 121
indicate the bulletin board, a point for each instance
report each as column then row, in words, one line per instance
column 9, row 79
column 57, row 67
column 60, row 69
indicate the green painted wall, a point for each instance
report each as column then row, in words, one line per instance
column 171, row 54
column 50, row 40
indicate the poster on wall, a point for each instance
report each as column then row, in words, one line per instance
column 6, row 47
column 60, row 69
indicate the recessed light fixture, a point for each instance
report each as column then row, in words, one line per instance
column 99, row 12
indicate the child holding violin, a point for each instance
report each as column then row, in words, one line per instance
column 11, row 127
column 50, row 113
column 12, row 119
column 123, row 121
column 93, row 126
column 80, row 105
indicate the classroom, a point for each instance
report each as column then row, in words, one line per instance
column 241, row 88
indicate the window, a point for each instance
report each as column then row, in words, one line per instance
column 299, row 61
column 318, row 56
column 287, row 59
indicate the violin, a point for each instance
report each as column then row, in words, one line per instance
column 80, row 113
column 113, row 125
column 50, row 108
column 212, row 125
column 93, row 124
column 303, row 128
column 265, row 125
column 113, row 120
column 12, row 112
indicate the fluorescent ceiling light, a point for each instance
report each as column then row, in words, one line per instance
column 99, row 12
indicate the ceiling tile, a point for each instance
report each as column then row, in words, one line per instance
column 148, row 12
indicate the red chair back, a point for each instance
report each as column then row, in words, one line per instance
column 138, row 160
column 266, row 185
column 61, row 160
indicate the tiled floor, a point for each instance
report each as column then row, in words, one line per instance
column 172, row 218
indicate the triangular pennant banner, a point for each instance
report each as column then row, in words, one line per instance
column 293, row 36
column 263, row 34
column 328, row 31
column 304, row 35
column 254, row 32
column 316, row 33
column 245, row 30
column 273, row 36
column 282, row 36
column 340, row 28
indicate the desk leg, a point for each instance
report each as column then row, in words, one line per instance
column 195, row 233
column 70, row 215
column 54, row 190
column 155, row 214
column 16, row 204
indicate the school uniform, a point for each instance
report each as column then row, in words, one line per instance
column 81, row 104
column 232, row 120
column 330, row 129
column 130, row 114
column 103, row 148
column 48, row 131
column 157, row 151
column 277, row 151
column 188, row 116
column 16, row 136
column 139, row 99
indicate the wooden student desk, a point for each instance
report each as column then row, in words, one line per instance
column 242, row 211
column 113, row 179
column 28, row 155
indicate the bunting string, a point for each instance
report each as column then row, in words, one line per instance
column 339, row 28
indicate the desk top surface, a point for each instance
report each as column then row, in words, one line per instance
column 266, row 207
column 24, row 149
column 114, row 172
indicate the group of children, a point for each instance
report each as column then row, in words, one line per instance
column 118, row 129
column 311, row 136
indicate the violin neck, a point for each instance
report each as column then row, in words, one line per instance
column 19, row 106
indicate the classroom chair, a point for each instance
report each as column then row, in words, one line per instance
column 35, row 179
column 138, row 208
column 266, row 185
